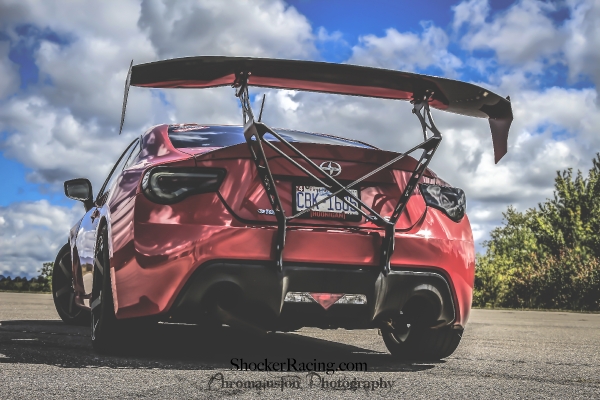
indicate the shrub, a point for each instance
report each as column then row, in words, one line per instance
column 547, row 257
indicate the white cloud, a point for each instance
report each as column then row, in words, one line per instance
column 582, row 48
column 471, row 13
column 521, row 35
column 406, row 51
column 226, row 27
column 31, row 234
column 9, row 75
column 324, row 36
column 526, row 37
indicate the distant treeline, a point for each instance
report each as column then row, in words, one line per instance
column 546, row 257
column 43, row 283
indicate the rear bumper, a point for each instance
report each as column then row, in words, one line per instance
column 259, row 290
column 167, row 260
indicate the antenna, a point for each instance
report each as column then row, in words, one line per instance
column 261, row 108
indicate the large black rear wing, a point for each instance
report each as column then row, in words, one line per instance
column 444, row 94
column 422, row 91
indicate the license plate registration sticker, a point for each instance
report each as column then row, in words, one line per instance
column 308, row 197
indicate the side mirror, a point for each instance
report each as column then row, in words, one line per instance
column 80, row 189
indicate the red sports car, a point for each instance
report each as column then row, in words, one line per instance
column 273, row 229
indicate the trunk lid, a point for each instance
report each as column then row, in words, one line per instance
column 243, row 192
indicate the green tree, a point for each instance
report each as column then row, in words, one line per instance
column 572, row 218
column 45, row 276
column 546, row 257
column 46, row 271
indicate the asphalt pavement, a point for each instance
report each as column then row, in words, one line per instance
column 503, row 354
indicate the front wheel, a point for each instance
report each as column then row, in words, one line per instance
column 419, row 343
column 63, row 292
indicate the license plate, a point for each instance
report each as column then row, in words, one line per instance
column 308, row 197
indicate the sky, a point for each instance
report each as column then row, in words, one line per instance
column 63, row 65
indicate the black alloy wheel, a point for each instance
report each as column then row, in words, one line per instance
column 63, row 292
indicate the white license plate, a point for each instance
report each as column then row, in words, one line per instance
column 308, row 197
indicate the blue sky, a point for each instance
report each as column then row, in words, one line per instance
column 62, row 67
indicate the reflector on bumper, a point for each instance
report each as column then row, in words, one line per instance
column 352, row 299
column 326, row 300
column 298, row 297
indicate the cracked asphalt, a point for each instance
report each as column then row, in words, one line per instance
column 503, row 354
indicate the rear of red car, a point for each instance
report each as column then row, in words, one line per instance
column 272, row 229
column 202, row 238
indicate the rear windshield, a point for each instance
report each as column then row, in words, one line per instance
column 189, row 135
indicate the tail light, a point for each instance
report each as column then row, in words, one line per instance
column 168, row 185
column 450, row 200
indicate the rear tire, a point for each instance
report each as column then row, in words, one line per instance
column 106, row 330
column 63, row 293
column 418, row 343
